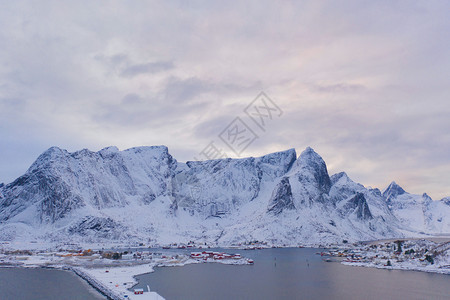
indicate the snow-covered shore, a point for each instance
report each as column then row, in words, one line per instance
column 115, row 282
column 113, row 277
column 426, row 255
column 404, row 266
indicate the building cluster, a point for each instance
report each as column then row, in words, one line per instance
column 213, row 255
column 413, row 253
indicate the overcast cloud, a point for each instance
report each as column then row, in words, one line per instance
column 365, row 83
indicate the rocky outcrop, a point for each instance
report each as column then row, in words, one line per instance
column 310, row 180
column 281, row 198
column 357, row 206
column 98, row 227
column 393, row 191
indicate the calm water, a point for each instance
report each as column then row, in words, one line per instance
column 36, row 284
column 292, row 274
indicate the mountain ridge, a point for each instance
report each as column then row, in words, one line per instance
column 143, row 193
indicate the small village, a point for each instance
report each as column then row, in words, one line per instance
column 221, row 256
column 420, row 255
column 250, row 245
column 112, row 271
column 94, row 258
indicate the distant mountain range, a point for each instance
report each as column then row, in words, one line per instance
column 144, row 195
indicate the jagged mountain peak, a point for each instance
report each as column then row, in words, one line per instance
column 446, row 200
column 48, row 158
column 145, row 149
column 110, row 149
column 394, row 188
column 268, row 158
column 56, row 152
column 310, row 156
column 289, row 152
column 376, row 191
column 393, row 191
column 340, row 177
column 53, row 151
column 310, row 169
column 426, row 198
column 309, row 159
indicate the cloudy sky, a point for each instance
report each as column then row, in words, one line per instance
column 364, row 83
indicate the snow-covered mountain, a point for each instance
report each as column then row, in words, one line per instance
column 418, row 212
column 221, row 187
column 144, row 194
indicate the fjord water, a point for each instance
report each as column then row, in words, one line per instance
column 34, row 284
column 292, row 273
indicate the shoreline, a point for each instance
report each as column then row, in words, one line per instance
column 424, row 255
column 117, row 281
column 94, row 284
column 398, row 267
column 114, row 278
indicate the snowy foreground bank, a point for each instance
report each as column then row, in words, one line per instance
column 418, row 255
column 114, row 277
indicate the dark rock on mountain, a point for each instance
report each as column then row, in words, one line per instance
column 311, row 176
column 98, row 227
column 281, row 198
column 392, row 191
column 312, row 169
column 358, row 206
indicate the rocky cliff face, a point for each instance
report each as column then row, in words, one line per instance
column 357, row 205
column 219, row 187
column 310, row 178
column 393, row 191
column 145, row 194
column 281, row 198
